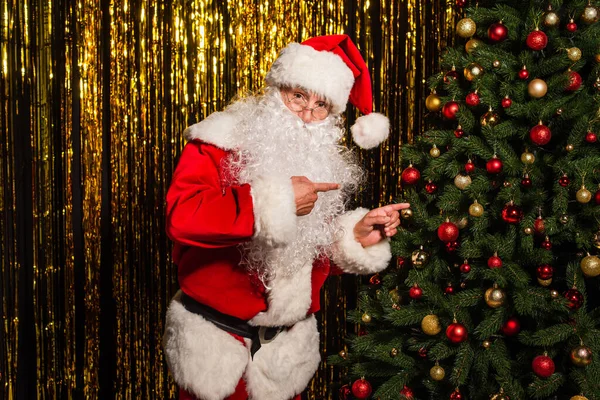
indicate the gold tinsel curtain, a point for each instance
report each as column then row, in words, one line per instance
column 95, row 95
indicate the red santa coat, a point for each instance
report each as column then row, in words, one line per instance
column 207, row 219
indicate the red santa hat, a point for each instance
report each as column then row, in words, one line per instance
column 333, row 67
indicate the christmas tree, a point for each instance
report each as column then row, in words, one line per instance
column 495, row 289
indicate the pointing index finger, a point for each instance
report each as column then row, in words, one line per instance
column 325, row 186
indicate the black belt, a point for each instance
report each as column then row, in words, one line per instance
column 258, row 334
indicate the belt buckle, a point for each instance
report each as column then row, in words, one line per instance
column 263, row 330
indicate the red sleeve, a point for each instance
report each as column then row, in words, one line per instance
column 200, row 211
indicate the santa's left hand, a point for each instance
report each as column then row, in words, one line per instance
column 378, row 224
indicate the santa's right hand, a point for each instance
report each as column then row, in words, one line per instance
column 305, row 193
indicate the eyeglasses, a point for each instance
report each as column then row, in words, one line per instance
column 298, row 103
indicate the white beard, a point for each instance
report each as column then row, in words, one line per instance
column 276, row 143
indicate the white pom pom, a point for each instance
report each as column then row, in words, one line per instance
column 370, row 130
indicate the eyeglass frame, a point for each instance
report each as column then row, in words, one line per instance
column 286, row 91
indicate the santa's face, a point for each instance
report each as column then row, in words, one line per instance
column 309, row 107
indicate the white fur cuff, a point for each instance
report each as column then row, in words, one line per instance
column 349, row 254
column 274, row 210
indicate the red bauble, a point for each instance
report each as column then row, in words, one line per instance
column 450, row 109
column 564, row 181
column 410, row 175
column 494, row 262
column 465, row 268
column 407, row 392
column 537, row 40
column 545, row 271
column 345, row 393
column 456, row 395
column 456, row 332
column 451, row 247
column 512, row 214
column 543, row 366
column 362, row 331
column 494, row 165
column 497, row 32
column 540, row 134
column 546, row 244
column 506, row 101
column 458, row 132
column 415, row 292
column 461, row 3
column 375, row 280
column 469, row 167
column 449, row 289
column 472, row 99
column 400, row 262
column 448, row 232
column 597, row 197
column 591, row 137
column 575, row 298
column 539, row 225
column 526, row 182
column 523, row 73
column 511, row 327
column 571, row 26
column 450, row 76
column 574, row 81
column 430, row 187
column 423, row 352
column 361, row 389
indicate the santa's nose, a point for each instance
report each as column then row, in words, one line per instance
column 306, row 116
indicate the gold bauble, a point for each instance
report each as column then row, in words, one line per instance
column 394, row 295
column 476, row 209
column 581, row 356
column 433, row 102
column 393, row 352
column 472, row 44
column 495, row 297
column 431, row 325
column 596, row 240
column 496, row 64
column 406, row 213
column 559, row 111
column 578, row 398
column 574, row 54
column 419, row 258
column 437, row 373
column 462, row 223
column 569, row 147
column 489, row 118
column 597, row 58
column 473, row 71
column 554, row 294
column 462, row 181
column 537, row 88
column 434, row 152
column 583, row 195
column 551, row 19
column 590, row 266
column 590, row 14
column 343, row 354
column 366, row 318
column 564, row 218
column 506, row 184
column 528, row 230
column 466, row 28
column 545, row 282
column 486, row 344
column 527, row 158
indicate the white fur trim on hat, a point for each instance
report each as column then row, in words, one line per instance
column 282, row 368
column 321, row 72
column 351, row 256
column 370, row 130
column 203, row 359
column 217, row 129
column 274, row 205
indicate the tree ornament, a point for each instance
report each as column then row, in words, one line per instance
column 472, row 99
column 465, row 28
column 490, row 118
column 447, row 231
column 456, row 395
column 537, row 88
column 528, row 230
column 526, row 181
column 494, row 165
column 537, row 40
column 393, row 352
column 564, row 218
column 590, row 266
column 345, row 392
column 494, row 261
column 449, row 289
column 461, row 3
column 540, row 134
column 437, row 373
column 362, row 331
column 564, row 180
column 458, row 132
column 505, row 184
column 462, row 181
column 575, row 298
column 597, row 196
column 410, row 175
column 569, row 148
column 575, row 81
column 415, row 292
column 574, row 54
column 465, row 268
column 512, row 214
column 375, row 280
column 581, row 356
column 551, row 19
column 544, row 271
column 506, row 102
column 400, row 262
column 597, row 83
column 500, row 396
column 451, row 247
column 433, row 102
column 543, row 366
column 554, row 294
column 366, row 318
column 462, row 223
column 473, row 71
column 544, row 282
column 450, row 109
column 596, row 240
column 546, row 244
column 475, row 209
column 496, row 63
column 497, row 32
column 451, row 75
column 342, row 353
column 469, row 167
column 583, row 195
column 511, row 327
column 527, row 158
column 495, row 297
column 591, row 137
column 420, row 258
column 430, row 187
column 423, row 352
column 571, row 26
column 539, row 225
column 361, row 388
column 589, row 14
column 407, row 393
column 394, row 295
column 472, row 44
column 430, row 324
column 559, row 111
column 456, row 332
column 406, row 213
column 523, row 73
column 434, row 151
column 578, row 398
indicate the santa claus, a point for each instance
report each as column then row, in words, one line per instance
column 257, row 213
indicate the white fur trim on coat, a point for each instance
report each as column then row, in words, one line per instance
column 370, row 130
column 274, row 210
column 282, row 369
column 349, row 254
column 203, row 359
column 218, row 129
column 321, row 72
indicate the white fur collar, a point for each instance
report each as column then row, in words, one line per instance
column 218, row 129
